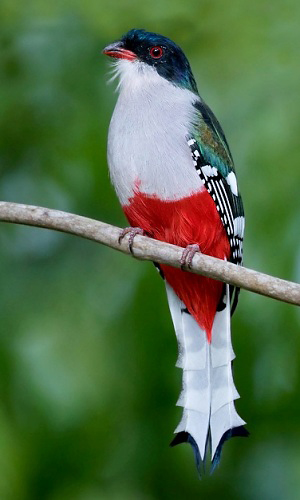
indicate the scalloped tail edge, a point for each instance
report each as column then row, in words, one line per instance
column 185, row 437
column 240, row 431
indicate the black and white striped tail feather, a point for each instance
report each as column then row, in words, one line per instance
column 208, row 393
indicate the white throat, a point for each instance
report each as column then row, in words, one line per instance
column 147, row 145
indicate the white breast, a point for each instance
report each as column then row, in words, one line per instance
column 147, row 145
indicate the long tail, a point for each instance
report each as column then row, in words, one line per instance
column 208, row 392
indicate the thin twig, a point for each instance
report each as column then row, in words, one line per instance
column 148, row 249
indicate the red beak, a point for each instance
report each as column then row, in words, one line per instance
column 116, row 50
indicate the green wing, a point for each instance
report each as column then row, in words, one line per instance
column 214, row 164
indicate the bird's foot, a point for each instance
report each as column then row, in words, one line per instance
column 187, row 255
column 132, row 231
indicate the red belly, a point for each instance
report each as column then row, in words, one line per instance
column 193, row 219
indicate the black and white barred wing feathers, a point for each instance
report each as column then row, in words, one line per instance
column 224, row 192
column 213, row 163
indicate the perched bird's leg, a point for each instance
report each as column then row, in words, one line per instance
column 132, row 231
column 187, row 255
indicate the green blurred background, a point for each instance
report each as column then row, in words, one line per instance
column 88, row 384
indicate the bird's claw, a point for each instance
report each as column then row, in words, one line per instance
column 187, row 255
column 132, row 231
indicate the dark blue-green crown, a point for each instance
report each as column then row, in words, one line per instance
column 172, row 65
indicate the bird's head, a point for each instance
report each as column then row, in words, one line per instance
column 150, row 53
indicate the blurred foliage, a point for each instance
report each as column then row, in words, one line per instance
column 87, row 378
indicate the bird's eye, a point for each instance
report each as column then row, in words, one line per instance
column 156, row 52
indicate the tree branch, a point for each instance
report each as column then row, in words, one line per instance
column 149, row 249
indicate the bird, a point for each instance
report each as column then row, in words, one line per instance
column 173, row 172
